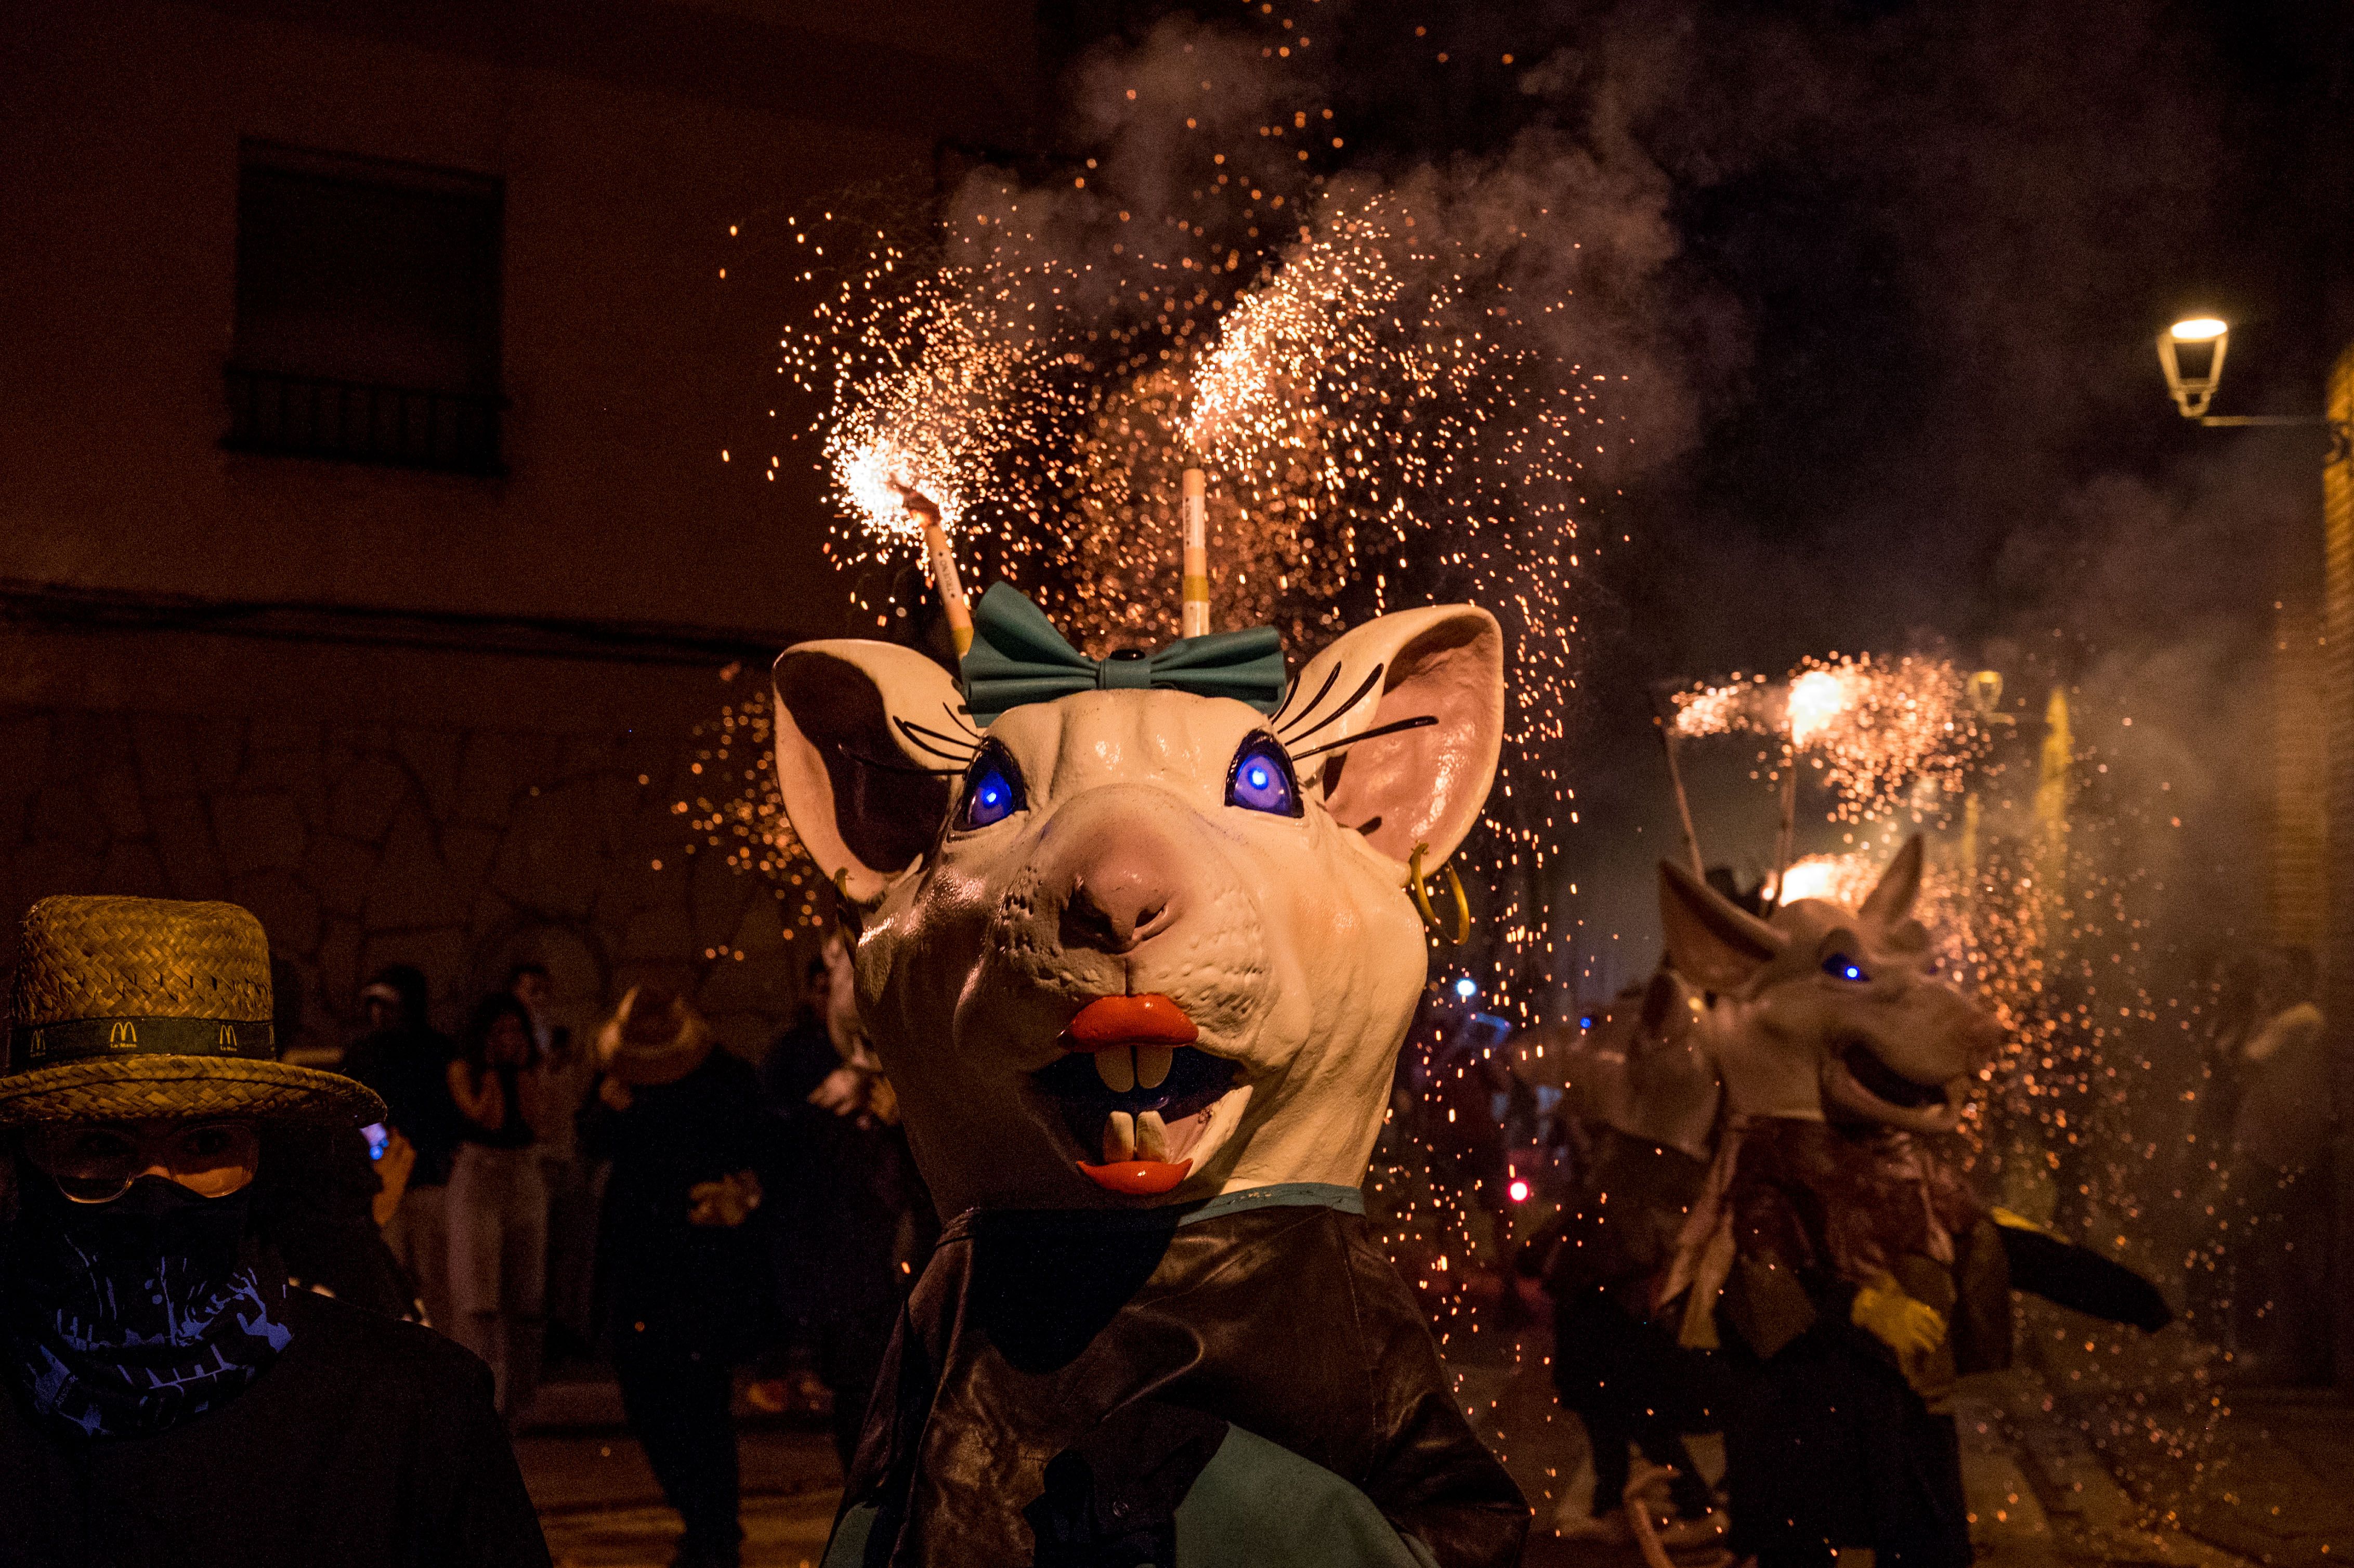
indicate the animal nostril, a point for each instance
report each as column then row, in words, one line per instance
column 1113, row 915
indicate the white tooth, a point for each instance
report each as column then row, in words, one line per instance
column 1120, row 1137
column 1152, row 1135
column 1153, row 1065
column 1115, row 1067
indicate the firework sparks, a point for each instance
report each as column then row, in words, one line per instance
column 1880, row 731
column 1377, row 420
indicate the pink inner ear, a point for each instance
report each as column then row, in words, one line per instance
column 1423, row 786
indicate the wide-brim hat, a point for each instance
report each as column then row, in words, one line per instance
column 131, row 1008
column 652, row 1038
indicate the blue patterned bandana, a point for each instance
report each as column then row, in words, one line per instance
column 126, row 1318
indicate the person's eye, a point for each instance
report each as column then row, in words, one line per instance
column 1261, row 778
column 1838, row 966
column 993, row 788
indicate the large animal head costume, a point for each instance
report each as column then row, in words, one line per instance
column 1124, row 942
column 1825, row 1012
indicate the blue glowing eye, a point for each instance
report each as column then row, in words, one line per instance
column 1261, row 780
column 1838, row 966
column 993, row 790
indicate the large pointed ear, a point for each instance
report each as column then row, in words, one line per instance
column 1424, row 785
column 1711, row 942
column 1892, row 897
column 870, row 738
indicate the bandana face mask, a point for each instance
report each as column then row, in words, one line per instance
column 124, row 1318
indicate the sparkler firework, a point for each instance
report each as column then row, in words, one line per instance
column 1880, row 731
column 1376, row 418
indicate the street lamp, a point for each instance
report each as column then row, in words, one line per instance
column 2192, row 351
column 2206, row 338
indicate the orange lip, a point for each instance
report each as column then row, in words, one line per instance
column 1136, row 1178
column 1150, row 1019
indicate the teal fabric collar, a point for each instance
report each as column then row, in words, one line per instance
column 1281, row 1194
column 1275, row 1195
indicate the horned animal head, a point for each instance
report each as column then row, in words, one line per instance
column 1137, row 946
column 1826, row 1011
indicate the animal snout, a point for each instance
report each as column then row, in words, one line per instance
column 1121, row 898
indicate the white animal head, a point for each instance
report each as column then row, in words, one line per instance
column 1140, row 930
column 1827, row 1012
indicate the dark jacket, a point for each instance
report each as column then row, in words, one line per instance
column 313, row 1205
column 1031, row 1333
column 368, row 1442
column 847, row 1209
column 410, row 1070
column 705, row 1286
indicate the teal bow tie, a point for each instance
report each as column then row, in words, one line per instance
column 1018, row 657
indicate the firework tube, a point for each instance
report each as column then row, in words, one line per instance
column 1193, row 619
column 1683, row 801
column 1785, row 840
column 944, row 569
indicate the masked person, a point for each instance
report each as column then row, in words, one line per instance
column 685, row 1292
column 167, row 1398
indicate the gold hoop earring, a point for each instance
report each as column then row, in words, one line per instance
column 848, row 912
column 1430, row 921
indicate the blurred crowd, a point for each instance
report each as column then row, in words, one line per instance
column 639, row 1194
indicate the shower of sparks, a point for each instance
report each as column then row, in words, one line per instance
column 2032, row 898
column 1883, row 734
column 1738, row 707
column 1380, row 424
column 930, row 376
column 739, row 813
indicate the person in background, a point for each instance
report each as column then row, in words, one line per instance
column 2212, row 1223
column 406, row 1061
column 571, row 1182
column 855, row 1223
column 2279, row 1165
column 685, row 1285
column 498, row 1205
column 170, row 1399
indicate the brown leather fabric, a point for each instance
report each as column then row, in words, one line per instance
column 1029, row 1328
column 1832, row 1205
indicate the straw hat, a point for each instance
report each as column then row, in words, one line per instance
column 149, row 1007
column 653, row 1037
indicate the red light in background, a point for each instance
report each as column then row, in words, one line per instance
column 1518, row 1191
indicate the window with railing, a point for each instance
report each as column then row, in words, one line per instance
column 367, row 312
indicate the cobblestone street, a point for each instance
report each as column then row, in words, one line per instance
column 2040, row 1495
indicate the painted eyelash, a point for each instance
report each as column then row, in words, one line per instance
column 1354, row 699
column 1329, row 676
column 1419, row 721
column 862, row 759
column 922, row 739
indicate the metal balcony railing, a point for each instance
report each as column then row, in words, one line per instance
column 352, row 421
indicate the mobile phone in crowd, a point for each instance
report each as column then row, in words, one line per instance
column 378, row 1136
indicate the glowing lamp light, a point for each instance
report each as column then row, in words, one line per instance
column 2190, row 352
column 1518, row 1191
column 1467, row 988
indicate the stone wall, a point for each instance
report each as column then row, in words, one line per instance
column 458, row 849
